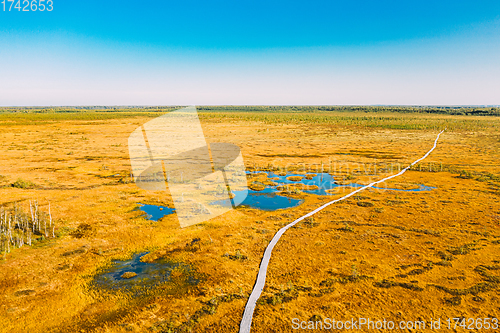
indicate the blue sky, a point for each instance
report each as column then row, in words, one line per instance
column 251, row 52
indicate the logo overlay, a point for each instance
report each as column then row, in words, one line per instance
column 171, row 153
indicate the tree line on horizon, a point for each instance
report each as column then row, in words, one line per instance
column 450, row 110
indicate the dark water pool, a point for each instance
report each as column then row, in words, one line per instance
column 148, row 274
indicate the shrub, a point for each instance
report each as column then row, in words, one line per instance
column 24, row 184
column 84, row 230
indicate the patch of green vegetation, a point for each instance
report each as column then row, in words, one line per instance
column 63, row 231
column 26, row 292
column 309, row 223
column 392, row 117
column 453, row 300
column 464, row 174
column 395, row 202
column 355, row 117
column 83, row 230
column 236, row 256
column 454, row 278
column 491, row 282
column 444, row 263
column 38, row 118
column 257, row 186
column 73, row 252
column 492, row 179
column 449, row 110
column 291, row 293
column 474, row 290
column 345, row 278
column 462, row 250
column 483, row 271
column 346, row 228
column 321, row 292
column 23, row 184
column 390, row 284
column 445, row 256
column 417, row 271
column 279, row 298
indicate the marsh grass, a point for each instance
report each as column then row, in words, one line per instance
column 23, row 184
column 71, row 310
column 237, row 256
column 84, row 230
column 406, row 118
column 353, row 277
column 24, row 119
column 410, row 121
column 346, row 228
column 390, row 118
column 390, row 284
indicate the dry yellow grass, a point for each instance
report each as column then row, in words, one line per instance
column 82, row 168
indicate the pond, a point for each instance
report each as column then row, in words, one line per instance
column 155, row 212
column 267, row 200
column 148, row 274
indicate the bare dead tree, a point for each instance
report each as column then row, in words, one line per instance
column 17, row 228
column 50, row 217
column 32, row 217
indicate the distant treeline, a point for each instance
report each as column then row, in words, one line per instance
column 451, row 110
column 78, row 109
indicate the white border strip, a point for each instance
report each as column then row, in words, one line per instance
column 246, row 321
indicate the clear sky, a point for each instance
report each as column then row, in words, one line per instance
column 251, row 52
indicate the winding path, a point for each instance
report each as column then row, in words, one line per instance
column 246, row 321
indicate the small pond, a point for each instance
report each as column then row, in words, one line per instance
column 154, row 212
column 267, row 200
column 148, row 274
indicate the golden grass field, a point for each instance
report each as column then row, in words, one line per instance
column 403, row 256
